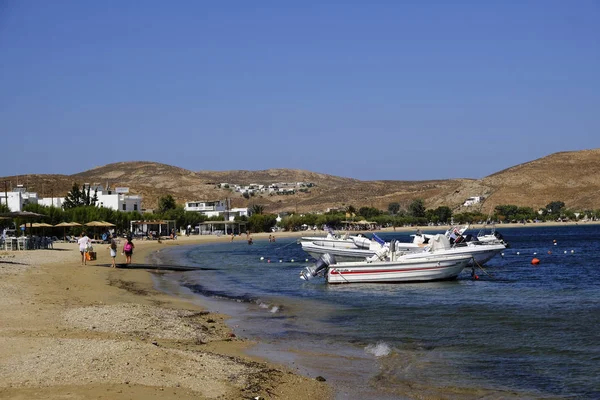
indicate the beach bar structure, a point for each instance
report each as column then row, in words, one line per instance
column 159, row 228
column 224, row 227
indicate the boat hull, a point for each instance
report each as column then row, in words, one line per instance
column 423, row 269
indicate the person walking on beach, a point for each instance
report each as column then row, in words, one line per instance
column 113, row 249
column 128, row 250
column 83, row 242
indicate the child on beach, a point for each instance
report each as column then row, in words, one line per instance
column 113, row 249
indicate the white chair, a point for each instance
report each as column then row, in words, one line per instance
column 22, row 243
column 8, row 244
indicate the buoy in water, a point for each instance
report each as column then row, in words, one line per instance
column 292, row 260
column 534, row 253
column 518, row 252
column 262, row 258
column 549, row 252
column 555, row 243
column 268, row 261
column 572, row 251
column 535, row 261
column 565, row 252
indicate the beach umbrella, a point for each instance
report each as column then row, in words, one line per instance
column 66, row 225
column 94, row 223
column 21, row 214
column 107, row 224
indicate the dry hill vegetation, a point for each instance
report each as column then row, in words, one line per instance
column 571, row 177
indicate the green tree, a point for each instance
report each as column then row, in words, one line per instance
column 506, row 211
column 166, row 203
column 261, row 222
column 256, row 209
column 369, row 212
column 74, row 198
column 555, row 207
column 417, row 208
column 393, row 208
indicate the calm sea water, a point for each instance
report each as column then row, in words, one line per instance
column 519, row 331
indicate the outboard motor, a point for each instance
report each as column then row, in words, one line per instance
column 322, row 263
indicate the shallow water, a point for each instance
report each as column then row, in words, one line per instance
column 519, row 331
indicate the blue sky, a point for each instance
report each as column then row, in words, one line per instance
column 362, row 89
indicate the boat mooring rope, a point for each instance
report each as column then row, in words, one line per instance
column 476, row 263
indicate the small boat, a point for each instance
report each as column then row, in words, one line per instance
column 356, row 247
column 490, row 235
column 430, row 267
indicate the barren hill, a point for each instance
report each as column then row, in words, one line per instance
column 572, row 177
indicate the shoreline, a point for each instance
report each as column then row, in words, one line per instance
column 94, row 331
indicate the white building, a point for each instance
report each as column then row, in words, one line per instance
column 208, row 208
column 117, row 199
column 216, row 209
column 52, row 201
column 473, row 200
column 18, row 198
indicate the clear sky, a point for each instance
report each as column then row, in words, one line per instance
column 362, row 89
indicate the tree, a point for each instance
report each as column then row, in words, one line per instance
column 166, row 203
column 555, row 207
column 256, row 209
column 417, row 208
column 440, row 214
column 74, row 198
column 369, row 212
column 393, row 208
column 262, row 222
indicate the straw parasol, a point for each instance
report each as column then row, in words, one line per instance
column 66, row 225
column 95, row 223
column 21, row 214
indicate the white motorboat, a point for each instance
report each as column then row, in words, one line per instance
column 479, row 252
column 453, row 232
column 429, row 267
column 490, row 235
column 357, row 248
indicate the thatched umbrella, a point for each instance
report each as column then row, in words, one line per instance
column 66, row 225
column 21, row 214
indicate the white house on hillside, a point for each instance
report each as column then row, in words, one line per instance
column 473, row 200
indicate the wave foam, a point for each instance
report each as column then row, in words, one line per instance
column 380, row 349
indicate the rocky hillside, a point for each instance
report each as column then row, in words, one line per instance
column 572, row 177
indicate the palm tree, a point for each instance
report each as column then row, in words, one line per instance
column 256, row 209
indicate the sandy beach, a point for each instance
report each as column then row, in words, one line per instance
column 91, row 332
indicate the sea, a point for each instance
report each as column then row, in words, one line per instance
column 507, row 330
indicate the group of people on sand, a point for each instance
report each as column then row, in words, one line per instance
column 85, row 244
